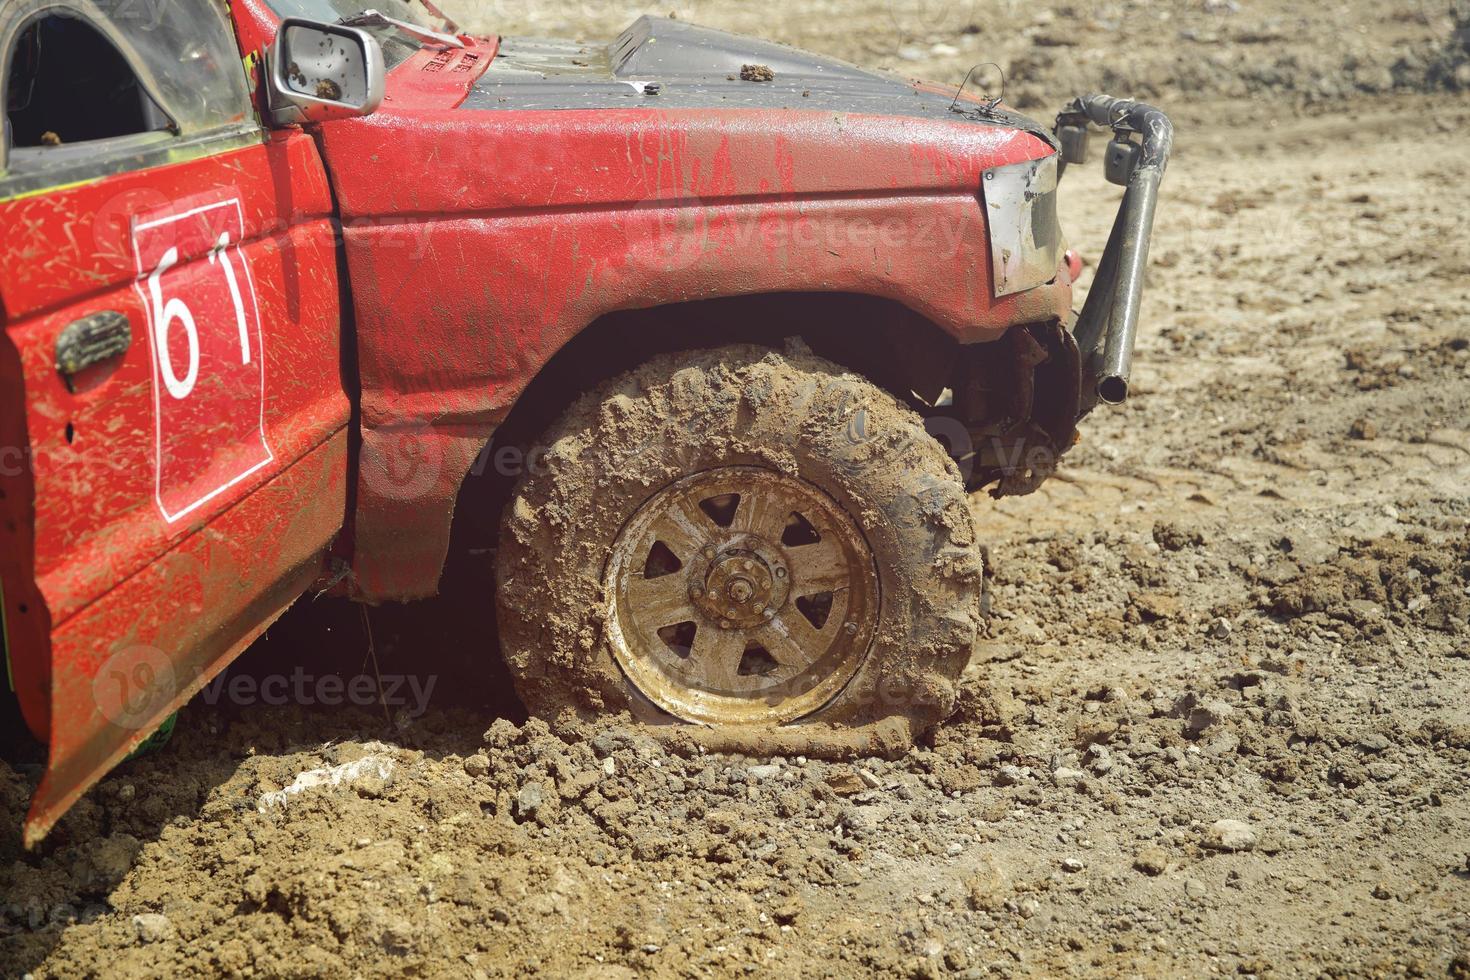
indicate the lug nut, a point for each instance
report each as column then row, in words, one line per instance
column 709, row 551
column 780, row 572
column 724, row 624
column 850, row 627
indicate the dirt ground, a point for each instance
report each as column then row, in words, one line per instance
column 1219, row 721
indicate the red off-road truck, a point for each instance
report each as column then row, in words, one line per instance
column 739, row 326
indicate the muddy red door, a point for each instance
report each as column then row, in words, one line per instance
column 173, row 463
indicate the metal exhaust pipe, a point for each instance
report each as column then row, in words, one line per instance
column 1138, row 221
column 1108, row 325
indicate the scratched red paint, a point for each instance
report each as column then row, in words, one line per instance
column 585, row 213
column 91, row 580
column 477, row 244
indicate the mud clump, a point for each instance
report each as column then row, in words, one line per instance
column 1390, row 578
column 756, row 73
column 1173, row 537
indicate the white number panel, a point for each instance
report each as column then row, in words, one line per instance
column 208, row 357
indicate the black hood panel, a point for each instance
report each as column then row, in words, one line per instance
column 662, row 63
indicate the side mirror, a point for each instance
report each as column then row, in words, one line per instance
column 317, row 72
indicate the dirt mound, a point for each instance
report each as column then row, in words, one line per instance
column 1184, row 53
column 1390, row 579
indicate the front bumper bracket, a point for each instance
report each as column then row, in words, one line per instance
column 1137, row 156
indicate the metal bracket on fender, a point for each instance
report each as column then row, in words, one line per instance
column 1107, row 327
column 1014, row 409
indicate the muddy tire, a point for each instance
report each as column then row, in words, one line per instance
column 808, row 542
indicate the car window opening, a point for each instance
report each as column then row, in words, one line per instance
column 69, row 84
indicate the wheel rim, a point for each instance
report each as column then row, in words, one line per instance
column 741, row 595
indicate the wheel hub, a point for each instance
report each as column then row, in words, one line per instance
column 740, row 595
column 744, row 584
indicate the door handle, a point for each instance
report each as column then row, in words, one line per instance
column 91, row 340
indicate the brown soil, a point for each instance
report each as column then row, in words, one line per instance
column 1220, row 718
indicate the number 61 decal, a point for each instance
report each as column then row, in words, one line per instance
column 208, row 355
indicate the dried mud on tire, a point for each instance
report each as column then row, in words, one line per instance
column 792, row 413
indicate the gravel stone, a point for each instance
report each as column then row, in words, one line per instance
column 1152, row 861
column 152, row 927
column 1230, row 835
